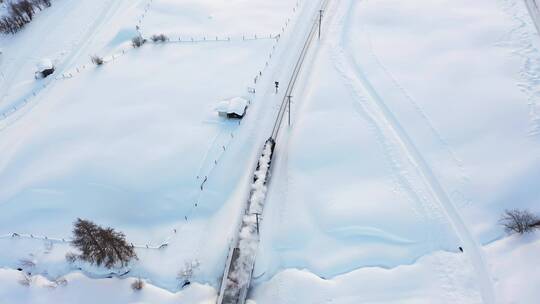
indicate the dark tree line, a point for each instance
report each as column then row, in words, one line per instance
column 101, row 246
column 20, row 13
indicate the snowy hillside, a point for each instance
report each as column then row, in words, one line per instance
column 414, row 126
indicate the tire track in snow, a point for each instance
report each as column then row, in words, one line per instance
column 446, row 147
column 426, row 211
column 385, row 119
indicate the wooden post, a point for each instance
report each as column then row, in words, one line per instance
column 320, row 22
column 257, row 216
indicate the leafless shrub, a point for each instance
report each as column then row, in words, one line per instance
column 71, row 257
column 97, row 60
column 159, row 38
column 137, row 284
column 26, row 280
column 138, row 41
column 185, row 274
column 61, row 281
column 519, row 221
column 27, row 263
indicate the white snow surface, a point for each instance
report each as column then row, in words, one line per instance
column 415, row 124
column 133, row 144
column 45, row 64
column 415, row 129
column 81, row 289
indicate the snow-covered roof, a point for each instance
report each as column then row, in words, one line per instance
column 45, row 64
column 235, row 105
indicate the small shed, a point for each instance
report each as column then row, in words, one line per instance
column 44, row 68
column 232, row 108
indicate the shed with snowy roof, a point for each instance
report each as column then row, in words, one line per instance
column 44, row 68
column 232, row 108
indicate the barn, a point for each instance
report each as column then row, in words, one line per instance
column 44, row 68
column 232, row 108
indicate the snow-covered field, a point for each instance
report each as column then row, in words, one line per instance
column 415, row 124
column 416, row 128
column 134, row 144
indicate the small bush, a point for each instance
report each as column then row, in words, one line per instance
column 519, row 221
column 137, row 284
column 97, row 60
column 159, row 38
column 61, row 281
column 138, row 41
column 27, row 263
column 25, row 280
column 71, row 257
column 58, row 282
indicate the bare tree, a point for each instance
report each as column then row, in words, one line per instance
column 519, row 221
column 101, row 246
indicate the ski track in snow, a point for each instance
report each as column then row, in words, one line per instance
column 436, row 134
column 524, row 38
column 387, row 123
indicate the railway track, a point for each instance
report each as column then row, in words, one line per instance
column 534, row 11
column 241, row 259
column 296, row 72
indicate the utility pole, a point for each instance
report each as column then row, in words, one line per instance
column 289, row 101
column 320, row 22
